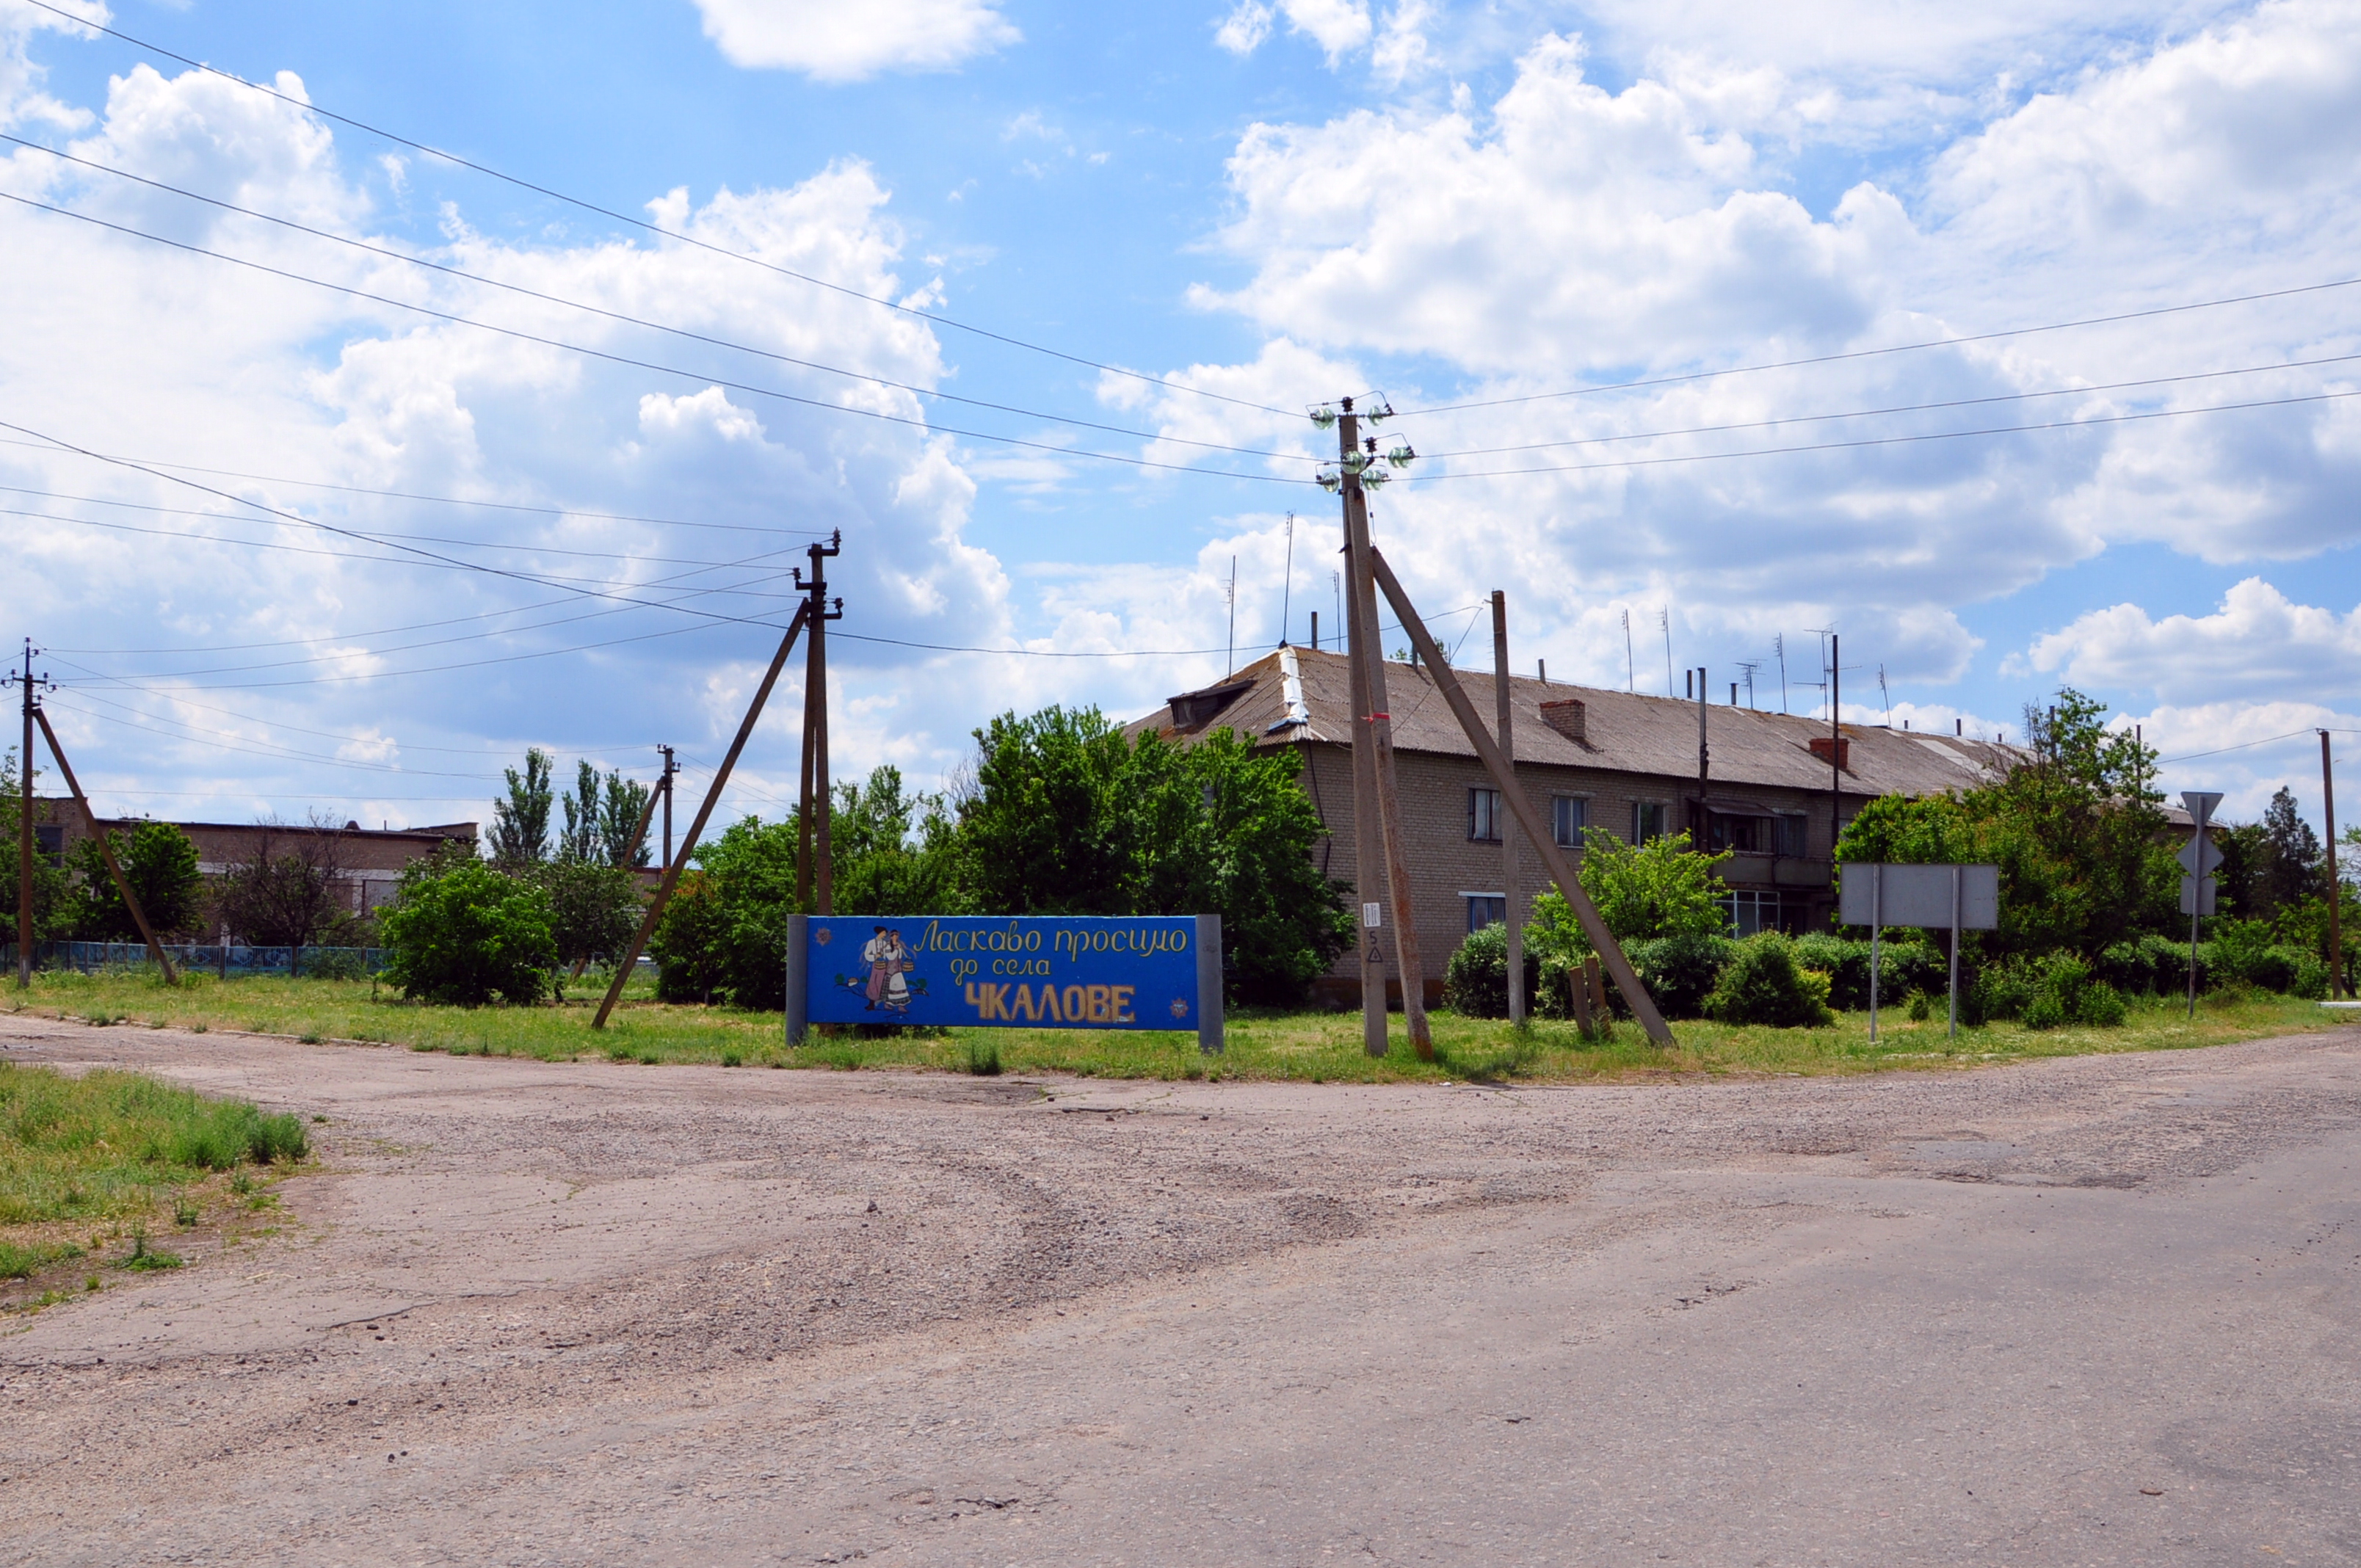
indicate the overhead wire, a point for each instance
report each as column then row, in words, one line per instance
column 641, row 224
column 438, row 501
column 1894, row 409
column 1884, row 440
column 625, row 318
column 1892, row 348
column 751, row 388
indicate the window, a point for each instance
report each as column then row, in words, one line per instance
column 1747, row 835
column 1568, row 815
column 1485, row 909
column 1750, row 911
column 1647, row 820
column 1484, row 816
column 49, row 842
column 1789, row 831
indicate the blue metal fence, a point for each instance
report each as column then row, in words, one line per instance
column 235, row 959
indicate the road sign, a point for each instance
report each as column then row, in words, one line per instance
column 2200, row 804
column 2200, row 855
column 1057, row 971
column 2196, row 895
column 1877, row 894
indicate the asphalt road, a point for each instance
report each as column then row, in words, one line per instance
column 2099, row 1310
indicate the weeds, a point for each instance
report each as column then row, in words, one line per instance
column 142, row 1260
column 983, row 1058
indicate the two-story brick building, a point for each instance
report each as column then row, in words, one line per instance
column 1585, row 757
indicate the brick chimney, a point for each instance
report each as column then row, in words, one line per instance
column 1569, row 719
column 1843, row 747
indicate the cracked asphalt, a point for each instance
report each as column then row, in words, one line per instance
column 2094, row 1310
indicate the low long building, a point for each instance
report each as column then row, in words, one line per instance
column 1773, row 791
column 369, row 860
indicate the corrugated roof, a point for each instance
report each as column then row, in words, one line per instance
column 1623, row 731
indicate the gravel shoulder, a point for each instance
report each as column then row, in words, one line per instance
column 2093, row 1310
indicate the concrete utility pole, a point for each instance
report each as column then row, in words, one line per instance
column 2328, row 805
column 1373, row 723
column 812, row 826
column 25, row 684
column 665, row 783
column 1358, row 639
column 1836, row 750
column 1511, row 895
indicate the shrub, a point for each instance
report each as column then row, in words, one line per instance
column 2310, row 977
column 2062, row 990
column 1680, row 972
column 1475, row 982
column 1763, row 983
column 335, row 963
column 468, row 934
column 1903, row 966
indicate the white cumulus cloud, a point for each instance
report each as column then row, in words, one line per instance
column 848, row 43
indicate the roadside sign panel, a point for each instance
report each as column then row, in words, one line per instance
column 1014, row 971
column 1882, row 894
column 2200, row 855
column 2197, row 894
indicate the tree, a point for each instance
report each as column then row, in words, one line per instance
column 290, row 891
column 520, row 835
column 621, row 805
column 161, row 864
column 1068, row 818
column 1643, row 891
column 594, row 908
column 577, row 842
column 2074, row 828
column 891, row 851
column 464, row 933
column 2292, row 857
column 54, row 909
column 729, row 936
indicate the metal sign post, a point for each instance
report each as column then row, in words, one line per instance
column 1961, row 898
column 1013, row 971
column 2198, row 858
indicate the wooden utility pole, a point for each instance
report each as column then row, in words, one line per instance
column 1703, row 829
column 1374, row 722
column 1510, row 892
column 2328, row 805
column 107, row 853
column 1602, row 940
column 1367, row 877
column 705, row 810
column 812, row 823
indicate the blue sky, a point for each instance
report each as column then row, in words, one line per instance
column 1276, row 203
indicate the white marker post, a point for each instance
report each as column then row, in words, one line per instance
column 2198, row 858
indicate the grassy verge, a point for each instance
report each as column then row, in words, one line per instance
column 90, row 1161
column 1308, row 1047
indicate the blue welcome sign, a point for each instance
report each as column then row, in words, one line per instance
column 1055, row 971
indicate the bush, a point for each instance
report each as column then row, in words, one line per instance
column 1680, row 972
column 1903, row 966
column 470, row 934
column 333, row 963
column 1763, row 983
column 2051, row 993
column 1475, row 982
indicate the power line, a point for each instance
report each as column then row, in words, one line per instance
column 1874, row 352
column 1897, row 408
column 416, row 538
column 1888, row 440
column 367, row 538
column 749, row 388
column 601, row 311
column 221, row 740
column 602, row 748
column 438, row 501
column 641, row 224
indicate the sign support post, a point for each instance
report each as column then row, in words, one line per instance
column 1955, row 952
column 798, row 977
column 1958, row 898
column 1209, row 985
column 2198, row 859
column 1876, row 930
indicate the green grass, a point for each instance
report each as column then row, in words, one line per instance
column 107, row 1146
column 1303, row 1046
